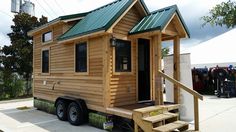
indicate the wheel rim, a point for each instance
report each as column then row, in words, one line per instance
column 60, row 112
column 73, row 114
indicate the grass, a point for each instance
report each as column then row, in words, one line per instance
column 20, row 97
column 44, row 105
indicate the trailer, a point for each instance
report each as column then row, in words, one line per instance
column 108, row 60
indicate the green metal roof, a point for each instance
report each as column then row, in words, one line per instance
column 72, row 16
column 60, row 18
column 157, row 20
column 99, row 19
column 144, row 6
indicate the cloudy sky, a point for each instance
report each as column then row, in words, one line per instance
column 191, row 11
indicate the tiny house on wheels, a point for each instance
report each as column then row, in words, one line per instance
column 108, row 61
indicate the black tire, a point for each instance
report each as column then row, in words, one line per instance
column 75, row 114
column 84, row 108
column 61, row 110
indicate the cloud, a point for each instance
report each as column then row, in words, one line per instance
column 54, row 8
column 191, row 11
column 5, row 24
column 4, row 40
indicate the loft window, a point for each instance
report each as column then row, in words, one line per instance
column 81, row 57
column 46, row 37
column 123, row 56
column 45, row 61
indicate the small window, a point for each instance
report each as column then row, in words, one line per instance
column 45, row 61
column 123, row 56
column 47, row 36
column 81, row 57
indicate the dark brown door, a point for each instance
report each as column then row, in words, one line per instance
column 143, row 69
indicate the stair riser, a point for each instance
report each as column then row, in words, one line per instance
column 171, row 120
column 159, row 118
column 163, row 122
column 177, row 125
column 184, row 128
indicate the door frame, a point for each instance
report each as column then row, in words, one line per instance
column 151, row 70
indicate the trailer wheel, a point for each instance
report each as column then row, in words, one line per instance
column 61, row 110
column 84, row 108
column 75, row 114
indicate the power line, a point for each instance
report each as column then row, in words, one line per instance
column 60, row 6
column 6, row 14
column 50, row 8
column 44, row 9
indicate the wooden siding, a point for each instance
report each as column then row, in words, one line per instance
column 127, row 23
column 62, row 76
column 123, row 85
column 118, row 89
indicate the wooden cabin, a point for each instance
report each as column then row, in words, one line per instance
column 110, row 58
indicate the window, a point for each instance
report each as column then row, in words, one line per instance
column 123, row 56
column 47, row 36
column 45, row 61
column 81, row 57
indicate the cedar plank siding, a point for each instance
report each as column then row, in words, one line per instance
column 88, row 87
column 171, row 27
column 123, row 87
column 127, row 22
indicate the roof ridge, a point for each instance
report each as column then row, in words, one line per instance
column 105, row 16
column 74, row 15
column 157, row 21
column 105, row 5
column 162, row 9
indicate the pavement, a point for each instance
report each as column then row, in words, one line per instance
column 32, row 120
column 216, row 115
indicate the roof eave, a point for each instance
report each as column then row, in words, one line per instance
column 73, row 19
column 164, row 24
column 114, row 19
column 145, row 6
column 149, row 30
column 183, row 23
column 69, row 39
column 105, row 27
column 55, row 21
column 176, row 10
column 81, row 34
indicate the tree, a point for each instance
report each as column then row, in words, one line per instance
column 165, row 52
column 17, row 57
column 222, row 14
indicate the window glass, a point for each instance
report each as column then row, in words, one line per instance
column 47, row 36
column 123, row 56
column 81, row 57
column 45, row 61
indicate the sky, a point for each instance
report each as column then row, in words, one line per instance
column 191, row 11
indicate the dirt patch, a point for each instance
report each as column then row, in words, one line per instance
column 22, row 108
